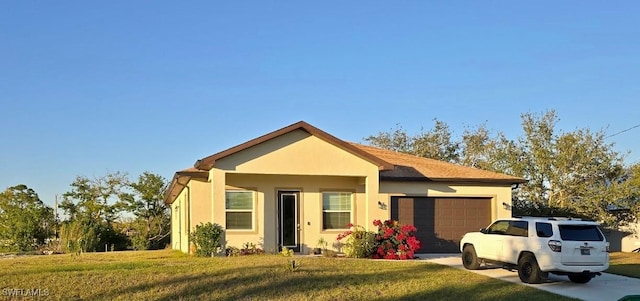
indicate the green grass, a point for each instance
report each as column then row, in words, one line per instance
column 170, row 275
column 625, row 264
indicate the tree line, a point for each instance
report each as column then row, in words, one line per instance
column 575, row 173
column 109, row 212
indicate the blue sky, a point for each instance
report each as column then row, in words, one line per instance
column 88, row 88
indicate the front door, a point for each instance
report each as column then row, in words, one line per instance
column 289, row 220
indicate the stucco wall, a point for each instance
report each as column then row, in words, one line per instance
column 179, row 220
column 626, row 239
column 200, row 197
column 631, row 242
column 310, row 208
column 297, row 152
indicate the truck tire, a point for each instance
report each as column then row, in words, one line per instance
column 528, row 269
column 469, row 258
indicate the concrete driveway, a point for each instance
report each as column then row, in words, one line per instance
column 602, row 288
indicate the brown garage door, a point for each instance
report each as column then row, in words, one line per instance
column 441, row 222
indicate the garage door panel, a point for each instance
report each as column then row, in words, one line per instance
column 441, row 222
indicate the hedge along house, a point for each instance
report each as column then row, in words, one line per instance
column 298, row 184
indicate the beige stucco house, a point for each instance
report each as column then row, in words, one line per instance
column 295, row 185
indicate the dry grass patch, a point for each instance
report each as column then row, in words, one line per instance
column 169, row 275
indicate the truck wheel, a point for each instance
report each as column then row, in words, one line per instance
column 528, row 269
column 580, row 278
column 469, row 258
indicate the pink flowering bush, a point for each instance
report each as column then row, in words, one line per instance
column 391, row 241
column 395, row 241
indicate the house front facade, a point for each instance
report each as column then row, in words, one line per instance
column 293, row 186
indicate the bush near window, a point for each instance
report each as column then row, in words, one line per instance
column 391, row 241
column 207, row 239
column 360, row 243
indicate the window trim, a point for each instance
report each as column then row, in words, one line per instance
column 252, row 210
column 351, row 209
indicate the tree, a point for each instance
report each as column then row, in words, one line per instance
column 26, row 221
column 92, row 207
column 573, row 173
column 477, row 148
column 396, row 140
column 153, row 223
column 435, row 143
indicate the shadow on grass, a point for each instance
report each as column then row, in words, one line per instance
column 275, row 282
column 629, row 270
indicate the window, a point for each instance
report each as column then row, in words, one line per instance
column 336, row 210
column 580, row 233
column 499, row 227
column 544, row 229
column 239, row 210
column 518, row 228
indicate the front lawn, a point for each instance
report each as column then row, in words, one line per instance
column 170, row 275
column 625, row 264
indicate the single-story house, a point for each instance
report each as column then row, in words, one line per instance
column 293, row 186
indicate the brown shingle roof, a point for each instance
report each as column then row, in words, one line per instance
column 414, row 168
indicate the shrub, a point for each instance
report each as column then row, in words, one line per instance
column 360, row 242
column 395, row 241
column 286, row 252
column 247, row 249
column 391, row 241
column 207, row 239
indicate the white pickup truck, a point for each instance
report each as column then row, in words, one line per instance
column 539, row 246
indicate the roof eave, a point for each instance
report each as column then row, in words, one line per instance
column 176, row 187
column 454, row 180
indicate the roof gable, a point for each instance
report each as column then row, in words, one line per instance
column 208, row 162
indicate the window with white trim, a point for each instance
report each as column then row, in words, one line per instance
column 336, row 210
column 239, row 209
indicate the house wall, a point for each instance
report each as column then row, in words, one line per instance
column 295, row 161
column 626, row 239
column 200, row 195
column 498, row 194
column 631, row 242
column 179, row 222
column 310, row 207
column 296, row 153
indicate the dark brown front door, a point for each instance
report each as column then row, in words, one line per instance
column 441, row 222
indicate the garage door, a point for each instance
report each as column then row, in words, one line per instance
column 441, row 222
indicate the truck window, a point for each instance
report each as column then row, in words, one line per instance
column 544, row 229
column 518, row 228
column 580, row 233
